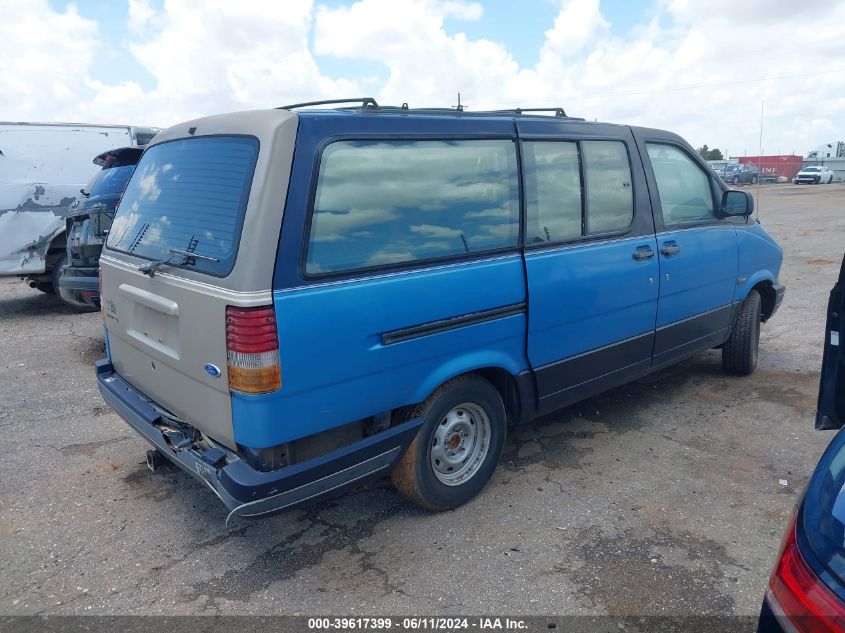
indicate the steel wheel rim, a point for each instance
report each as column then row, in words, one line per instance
column 460, row 444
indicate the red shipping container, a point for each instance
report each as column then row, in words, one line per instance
column 773, row 166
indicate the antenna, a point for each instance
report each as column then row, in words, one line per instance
column 459, row 107
column 757, row 206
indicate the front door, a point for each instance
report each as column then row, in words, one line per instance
column 591, row 261
column 698, row 256
column 831, row 409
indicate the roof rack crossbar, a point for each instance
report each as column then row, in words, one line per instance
column 559, row 112
column 364, row 101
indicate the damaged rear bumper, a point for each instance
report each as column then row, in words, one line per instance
column 80, row 286
column 247, row 492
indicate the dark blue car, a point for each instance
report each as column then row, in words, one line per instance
column 88, row 225
column 298, row 299
column 806, row 593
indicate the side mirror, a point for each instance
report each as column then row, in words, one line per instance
column 737, row 203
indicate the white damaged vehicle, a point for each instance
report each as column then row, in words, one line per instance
column 43, row 168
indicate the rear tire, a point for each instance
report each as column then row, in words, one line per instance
column 753, row 180
column 56, row 273
column 739, row 353
column 458, row 446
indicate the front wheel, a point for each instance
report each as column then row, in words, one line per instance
column 457, row 447
column 739, row 353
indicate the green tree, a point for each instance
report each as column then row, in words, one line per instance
column 710, row 154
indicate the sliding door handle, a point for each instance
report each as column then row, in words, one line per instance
column 643, row 252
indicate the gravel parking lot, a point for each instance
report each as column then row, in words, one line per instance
column 661, row 497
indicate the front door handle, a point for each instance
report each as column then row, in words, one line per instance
column 670, row 248
column 643, row 252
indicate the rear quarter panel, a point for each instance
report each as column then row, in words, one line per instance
column 335, row 368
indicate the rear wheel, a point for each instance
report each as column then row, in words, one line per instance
column 457, row 447
column 753, row 180
column 56, row 273
column 739, row 353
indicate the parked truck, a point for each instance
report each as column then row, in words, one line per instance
column 43, row 169
column 780, row 168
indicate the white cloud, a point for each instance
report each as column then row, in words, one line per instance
column 431, row 230
column 44, row 52
column 701, row 73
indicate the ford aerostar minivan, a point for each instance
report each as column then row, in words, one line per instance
column 301, row 298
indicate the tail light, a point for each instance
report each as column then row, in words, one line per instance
column 799, row 595
column 252, row 346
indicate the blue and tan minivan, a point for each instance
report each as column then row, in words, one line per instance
column 301, row 298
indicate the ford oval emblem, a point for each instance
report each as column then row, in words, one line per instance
column 212, row 370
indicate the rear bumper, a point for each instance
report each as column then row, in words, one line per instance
column 247, row 492
column 80, row 286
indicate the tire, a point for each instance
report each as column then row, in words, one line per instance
column 739, row 353
column 464, row 415
column 753, row 180
column 56, row 273
column 734, row 180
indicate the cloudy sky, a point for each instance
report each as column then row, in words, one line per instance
column 701, row 68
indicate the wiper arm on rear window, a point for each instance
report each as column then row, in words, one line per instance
column 189, row 255
column 188, row 259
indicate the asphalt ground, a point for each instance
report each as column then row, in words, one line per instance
column 660, row 497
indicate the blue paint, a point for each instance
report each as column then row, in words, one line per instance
column 760, row 258
column 587, row 297
column 701, row 276
column 580, row 297
column 335, row 368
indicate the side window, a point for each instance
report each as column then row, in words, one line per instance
column 559, row 206
column 684, row 189
column 552, row 191
column 610, row 199
column 387, row 202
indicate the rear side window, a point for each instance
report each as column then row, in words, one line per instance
column 576, row 189
column 684, row 188
column 188, row 195
column 610, row 201
column 388, row 202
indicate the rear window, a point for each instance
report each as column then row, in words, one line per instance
column 389, row 202
column 188, row 195
column 112, row 180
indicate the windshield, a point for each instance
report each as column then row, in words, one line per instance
column 188, row 195
column 811, row 169
column 112, row 180
column 729, row 168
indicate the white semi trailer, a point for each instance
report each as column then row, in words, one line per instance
column 43, row 166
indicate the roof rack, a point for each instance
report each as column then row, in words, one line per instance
column 370, row 104
column 364, row 101
column 559, row 112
